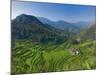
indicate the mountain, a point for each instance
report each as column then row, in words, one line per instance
column 57, row 24
column 75, row 27
column 89, row 33
column 45, row 20
column 29, row 27
column 83, row 25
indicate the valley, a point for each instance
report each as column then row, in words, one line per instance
column 39, row 47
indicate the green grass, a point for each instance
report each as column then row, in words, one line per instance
column 28, row 57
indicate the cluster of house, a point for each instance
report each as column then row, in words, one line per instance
column 74, row 51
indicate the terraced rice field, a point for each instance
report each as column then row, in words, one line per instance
column 28, row 57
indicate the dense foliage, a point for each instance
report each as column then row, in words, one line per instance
column 38, row 47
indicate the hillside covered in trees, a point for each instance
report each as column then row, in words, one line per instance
column 39, row 47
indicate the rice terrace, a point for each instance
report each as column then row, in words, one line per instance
column 52, row 37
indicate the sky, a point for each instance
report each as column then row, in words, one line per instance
column 55, row 11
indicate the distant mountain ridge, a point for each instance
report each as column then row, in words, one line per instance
column 29, row 27
column 63, row 24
